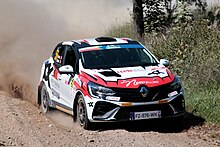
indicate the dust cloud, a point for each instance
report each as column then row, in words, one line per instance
column 30, row 29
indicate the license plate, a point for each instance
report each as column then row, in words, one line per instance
column 145, row 115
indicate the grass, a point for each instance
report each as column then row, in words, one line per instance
column 121, row 30
column 194, row 55
column 204, row 103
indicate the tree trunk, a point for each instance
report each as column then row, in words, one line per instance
column 138, row 18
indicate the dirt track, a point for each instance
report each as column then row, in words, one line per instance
column 23, row 124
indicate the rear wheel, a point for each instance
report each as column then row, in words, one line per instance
column 44, row 105
column 82, row 117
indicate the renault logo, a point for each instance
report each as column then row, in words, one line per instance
column 144, row 91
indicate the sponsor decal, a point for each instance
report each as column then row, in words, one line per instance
column 138, row 70
column 72, row 83
column 124, row 71
column 47, row 71
column 56, row 55
column 143, row 71
column 172, row 94
column 86, row 49
column 113, row 98
column 130, row 70
column 135, row 82
column 112, row 46
column 90, row 104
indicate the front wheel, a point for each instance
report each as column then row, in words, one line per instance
column 82, row 117
column 44, row 105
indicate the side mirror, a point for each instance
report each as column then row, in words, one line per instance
column 164, row 62
column 66, row 69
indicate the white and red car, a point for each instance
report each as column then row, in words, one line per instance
column 109, row 79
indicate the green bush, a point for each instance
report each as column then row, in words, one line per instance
column 194, row 54
column 121, row 30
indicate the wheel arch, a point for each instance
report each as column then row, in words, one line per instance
column 75, row 105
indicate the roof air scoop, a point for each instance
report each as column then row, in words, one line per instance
column 105, row 39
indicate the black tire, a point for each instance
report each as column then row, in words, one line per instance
column 44, row 105
column 82, row 117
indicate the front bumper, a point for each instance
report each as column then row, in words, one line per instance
column 122, row 111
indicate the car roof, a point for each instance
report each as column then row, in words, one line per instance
column 99, row 41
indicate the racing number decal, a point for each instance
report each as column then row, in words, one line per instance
column 47, row 70
column 156, row 72
column 161, row 74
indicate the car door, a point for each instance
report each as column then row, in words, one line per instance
column 66, row 80
column 55, row 78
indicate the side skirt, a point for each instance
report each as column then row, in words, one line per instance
column 62, row 107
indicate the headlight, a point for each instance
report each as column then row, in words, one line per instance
column 175, row 84
column 98, row 91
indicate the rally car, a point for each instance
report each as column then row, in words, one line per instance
column 109, row 79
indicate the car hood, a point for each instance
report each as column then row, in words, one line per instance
column 130, row 77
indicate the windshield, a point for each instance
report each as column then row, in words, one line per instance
column 122, row 57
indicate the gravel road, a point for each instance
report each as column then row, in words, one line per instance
column 23, row 124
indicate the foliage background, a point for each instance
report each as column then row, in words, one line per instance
column 192, row 46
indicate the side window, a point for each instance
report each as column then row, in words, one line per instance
column 70, row 58
column 145, row 56
column 58, row 55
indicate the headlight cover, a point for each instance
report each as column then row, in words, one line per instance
column 98, row 91
column 175, row 84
